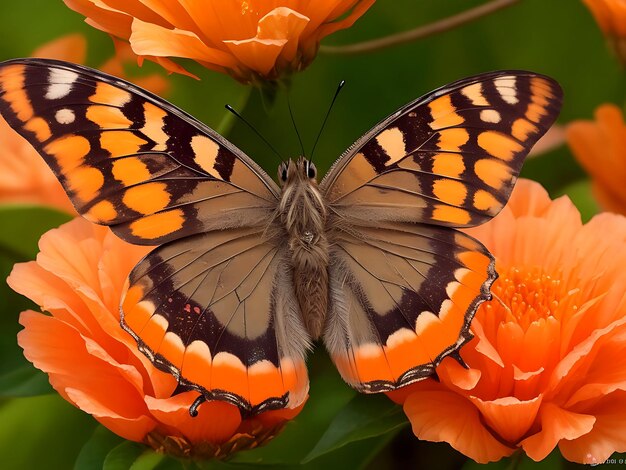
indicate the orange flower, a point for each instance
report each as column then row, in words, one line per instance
column 251, row 40
column 611, row 17
column 78, row 278
column 547, row 364
column 600, row 147
column 24, row 176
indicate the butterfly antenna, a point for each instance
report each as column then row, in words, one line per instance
column 293, row 121
column 232, row 110
column 339, row 87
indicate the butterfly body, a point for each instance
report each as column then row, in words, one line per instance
column 304, row 214
column 246, row 273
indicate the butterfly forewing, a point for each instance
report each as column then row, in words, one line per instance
column 450, row 158
column 129, row 159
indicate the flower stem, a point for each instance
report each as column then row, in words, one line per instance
column 420, row 32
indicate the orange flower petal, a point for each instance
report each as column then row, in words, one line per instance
column 599, row 147
column 72, row 48
column 131, row 428
column 249, row 40
column 556, row 424
column 509, row 417
column 283, row 23
column 174, row 412
column 108, row 20
column 454, row 374
column 359, row 10
column 58, row 349
column 153, row 40
column 257, row 54
column 445, row 416
column 606, row 437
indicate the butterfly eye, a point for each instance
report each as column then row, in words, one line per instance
column 311, row 171
column 282, row 172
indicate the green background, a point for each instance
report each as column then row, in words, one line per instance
column 337, row 429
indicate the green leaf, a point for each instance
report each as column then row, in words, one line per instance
column 149, row 460
column 25, row 381
column 42, row 432
column 364, row 417
column 95, row 450
column 22, row 226
column 123, row 456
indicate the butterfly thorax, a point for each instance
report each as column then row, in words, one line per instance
column 302, row 211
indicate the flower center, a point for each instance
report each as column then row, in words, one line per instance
column 524, row 296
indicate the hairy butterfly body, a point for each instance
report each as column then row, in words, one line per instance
column 247, row 274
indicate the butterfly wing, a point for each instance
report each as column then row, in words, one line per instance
column 129, row 159
column 404, row 285
column 450, row 158
column 401, row 299
column 209, row 305
column 218, row 311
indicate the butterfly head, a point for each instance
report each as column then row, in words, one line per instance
column 301, row 170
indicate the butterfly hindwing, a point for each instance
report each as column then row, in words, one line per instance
column 218, row 312
column 449, row 158
column 401, row 299
column 129, row 159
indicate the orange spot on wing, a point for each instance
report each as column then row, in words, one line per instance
column 371, row 363
column 130, row 171
column 108, row 117
column 485, row 201
column 158, row 225
column 119, row 143
column 205, row 153
column 147, row 198
column 101, row 212
column 12, row 82
column 492, row 172
column 448, row 164
column 451, row 215
column 228, row 373
column 69, row 151
column 136, row 311
column 172, row 349
column 196, row 365
column 444, row 113
column 40, row 127
column 535, row 112
column 153, row 128
column 405, row 351
column 452, row 139
column 85, row 182
column 110, row 95
column 450, row 191
column 265, row 382
column 152, row 334
column 474, row 260
column 522, row 128
column 499, row 145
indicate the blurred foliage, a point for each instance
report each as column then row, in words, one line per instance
column 558, row 38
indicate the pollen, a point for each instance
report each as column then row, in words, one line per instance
column 524, row 296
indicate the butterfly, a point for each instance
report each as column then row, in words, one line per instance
column 248, row 273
